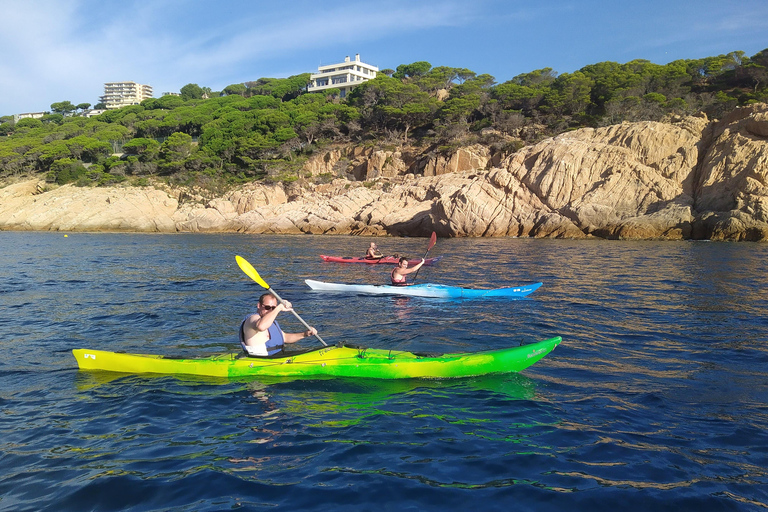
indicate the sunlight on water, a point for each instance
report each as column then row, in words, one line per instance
column 654, row 400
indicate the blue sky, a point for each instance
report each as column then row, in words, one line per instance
column 56, row 50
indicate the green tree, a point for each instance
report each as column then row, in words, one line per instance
column 94, row 150
column 513, row 96
column 174, row 151
column 284, row 89
column 570, row 94
column 465, row 101
column 413, row 70
column 29, row 123
column 537, row 79
column 386, row 103
column 6, row 128
column 441, row 77
column 168, row 102
column 62, row 107
column 191, row 92
column 65, row 170
column 145, row 149
column 238, row 89
column 755, row 71
column 52, row 119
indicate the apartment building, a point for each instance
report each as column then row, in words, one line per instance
column 121, row 94
column 344, row 76
column 28, row 115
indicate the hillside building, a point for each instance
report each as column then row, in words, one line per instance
column 28, row 115
column 344, row 76
column 121, row 94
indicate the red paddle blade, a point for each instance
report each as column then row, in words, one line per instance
column 432, row 241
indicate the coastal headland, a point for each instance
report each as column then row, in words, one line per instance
column 684, row 178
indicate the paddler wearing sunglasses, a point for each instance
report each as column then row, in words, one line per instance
column 261, row 335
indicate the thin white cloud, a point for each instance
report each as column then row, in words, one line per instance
column 67, row 50
column 308, row 32
column 54, row 50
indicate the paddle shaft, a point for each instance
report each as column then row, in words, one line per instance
column 273, row 292
column 432, row 241
column 251, row 272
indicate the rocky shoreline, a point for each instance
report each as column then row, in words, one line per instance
column 688, row 178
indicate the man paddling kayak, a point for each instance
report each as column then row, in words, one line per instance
column 402, row 270
column 261, row 335
column 373, row 252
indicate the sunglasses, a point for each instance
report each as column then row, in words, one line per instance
column 268, row 308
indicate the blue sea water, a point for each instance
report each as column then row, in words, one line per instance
column 655, row 400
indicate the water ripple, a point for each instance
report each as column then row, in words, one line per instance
column 655, row 399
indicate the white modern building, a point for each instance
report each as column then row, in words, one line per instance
column 28, row 115
column 121, row 94
column 94, row 112
column 343, row 76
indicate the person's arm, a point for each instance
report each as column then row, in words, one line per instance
column 413, row 268
column 264, row 322
column 293, row 337
column 288, row 337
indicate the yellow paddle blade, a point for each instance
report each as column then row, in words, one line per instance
column 250, row 271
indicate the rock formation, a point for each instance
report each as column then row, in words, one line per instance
column 688, row 177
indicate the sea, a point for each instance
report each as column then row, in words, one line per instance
column 656, row 399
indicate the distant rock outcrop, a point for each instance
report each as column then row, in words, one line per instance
column 685, row 178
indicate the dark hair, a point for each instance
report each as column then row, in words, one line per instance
column 403, row 259
column 263, row 295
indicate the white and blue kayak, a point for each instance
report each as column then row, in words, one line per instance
column 426, row 290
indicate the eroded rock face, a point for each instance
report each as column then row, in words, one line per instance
column 686, row 178
column 467, row 159
column 624, row 181
column 732, row 187
column 757, row 124
column 68, row 208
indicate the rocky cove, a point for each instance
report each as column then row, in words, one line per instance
column 684, row 178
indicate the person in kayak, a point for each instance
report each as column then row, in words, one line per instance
column 373, row 252
column 261, row 335
column 402, row 270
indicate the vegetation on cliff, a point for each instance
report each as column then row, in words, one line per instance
column 266, row 129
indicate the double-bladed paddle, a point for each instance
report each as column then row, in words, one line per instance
column 432, row 242
column 251, row 272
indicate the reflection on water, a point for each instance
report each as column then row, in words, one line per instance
column 656, row 397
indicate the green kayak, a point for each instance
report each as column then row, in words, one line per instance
column 337, row 361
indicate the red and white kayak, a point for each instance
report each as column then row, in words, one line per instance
column 391, row 260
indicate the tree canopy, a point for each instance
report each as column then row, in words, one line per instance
column 256, row 129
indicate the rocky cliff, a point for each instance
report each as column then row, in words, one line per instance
column 686, row 178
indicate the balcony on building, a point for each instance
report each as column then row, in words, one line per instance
column 344, row 76
column 121, row 94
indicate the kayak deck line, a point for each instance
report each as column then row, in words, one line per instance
column 338, row 360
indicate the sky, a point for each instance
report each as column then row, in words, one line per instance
column 65, row 50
